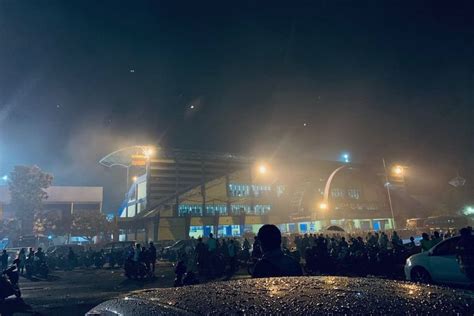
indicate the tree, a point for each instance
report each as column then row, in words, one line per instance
column 9, row 228
column 90, row 224
column 27, row 188
column 52, row 223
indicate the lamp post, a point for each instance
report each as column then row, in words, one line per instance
column 387, row 184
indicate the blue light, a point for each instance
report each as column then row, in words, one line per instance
column 50, row 237
column 5, row 178
column 346, row 158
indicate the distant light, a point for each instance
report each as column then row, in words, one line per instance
column 397, row 170
column 191, row 107
column 346, row 158
column 305, row 124
column 5, row 178
column 149, row 152
column 323, row 206
column 468, row 210
column 50, row 237
column 262, row 169
column 135, row 179
column 132, row 70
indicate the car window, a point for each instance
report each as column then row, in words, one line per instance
column 446, row 248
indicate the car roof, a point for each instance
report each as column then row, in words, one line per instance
column 296, row 295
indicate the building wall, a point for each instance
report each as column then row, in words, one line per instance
column 228, row 201
column 61, row 199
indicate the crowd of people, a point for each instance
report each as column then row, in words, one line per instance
column 373, row 253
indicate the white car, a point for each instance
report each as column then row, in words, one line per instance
column 438, row 265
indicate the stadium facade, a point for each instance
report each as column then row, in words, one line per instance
column 182, row 194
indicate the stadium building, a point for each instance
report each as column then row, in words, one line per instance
column 182, row 194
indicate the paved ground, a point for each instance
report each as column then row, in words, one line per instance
column 75, row 292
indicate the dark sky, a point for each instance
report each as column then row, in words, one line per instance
column 79, row 79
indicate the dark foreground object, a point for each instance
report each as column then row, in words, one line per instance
column 14, row 305
column 294, row 296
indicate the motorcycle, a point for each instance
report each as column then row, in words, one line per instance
column 9, row 283
column 137, row 270
column 36, row 266
column 99, row 260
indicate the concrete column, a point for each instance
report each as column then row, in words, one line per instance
column 228, row 201
column 156, row 225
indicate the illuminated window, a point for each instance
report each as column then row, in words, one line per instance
column 262, row 209
column 337, row 193
column 280, row 189
column 260, row 190
column 237, row 190
column 214, row 209
column 190, row 209
column 353, row 194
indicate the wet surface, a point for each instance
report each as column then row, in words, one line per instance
column 303, row 295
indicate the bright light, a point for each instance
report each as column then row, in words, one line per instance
column 262, row 169
column 468, row 210
column 5, row 178
column 346, row 158
column 323, row 206
column 149, row 152
column 397, row 170
column 135, row 179
column 191, row 107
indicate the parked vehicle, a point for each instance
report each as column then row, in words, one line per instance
column 114, row 252
column 136, row 270
column 57, row 256
column 171, row 252
column 36, row 266
column 438, row 265
column 294, row 296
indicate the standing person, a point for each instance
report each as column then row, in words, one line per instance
column 143, row 256
column 436, row 239
column 383, row 241
column 22, row 259
column 396, row 241
column 246, row 244
column 232, row 252
column 465, row 252
column 211, row 244
column 425, row 242
column 71, row 258
column 256, row 249
column 274, row 262
column 136, row 254
column 152, row 254
column 4, row 260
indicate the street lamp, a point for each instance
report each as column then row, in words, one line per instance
column 323, row 206
column 398, row 170
column 387, row 184
column 345, row 157
column 149, row 152
column 262, row 169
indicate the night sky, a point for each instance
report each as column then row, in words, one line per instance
column 79, row 79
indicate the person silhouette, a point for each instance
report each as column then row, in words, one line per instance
column 274, row 262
